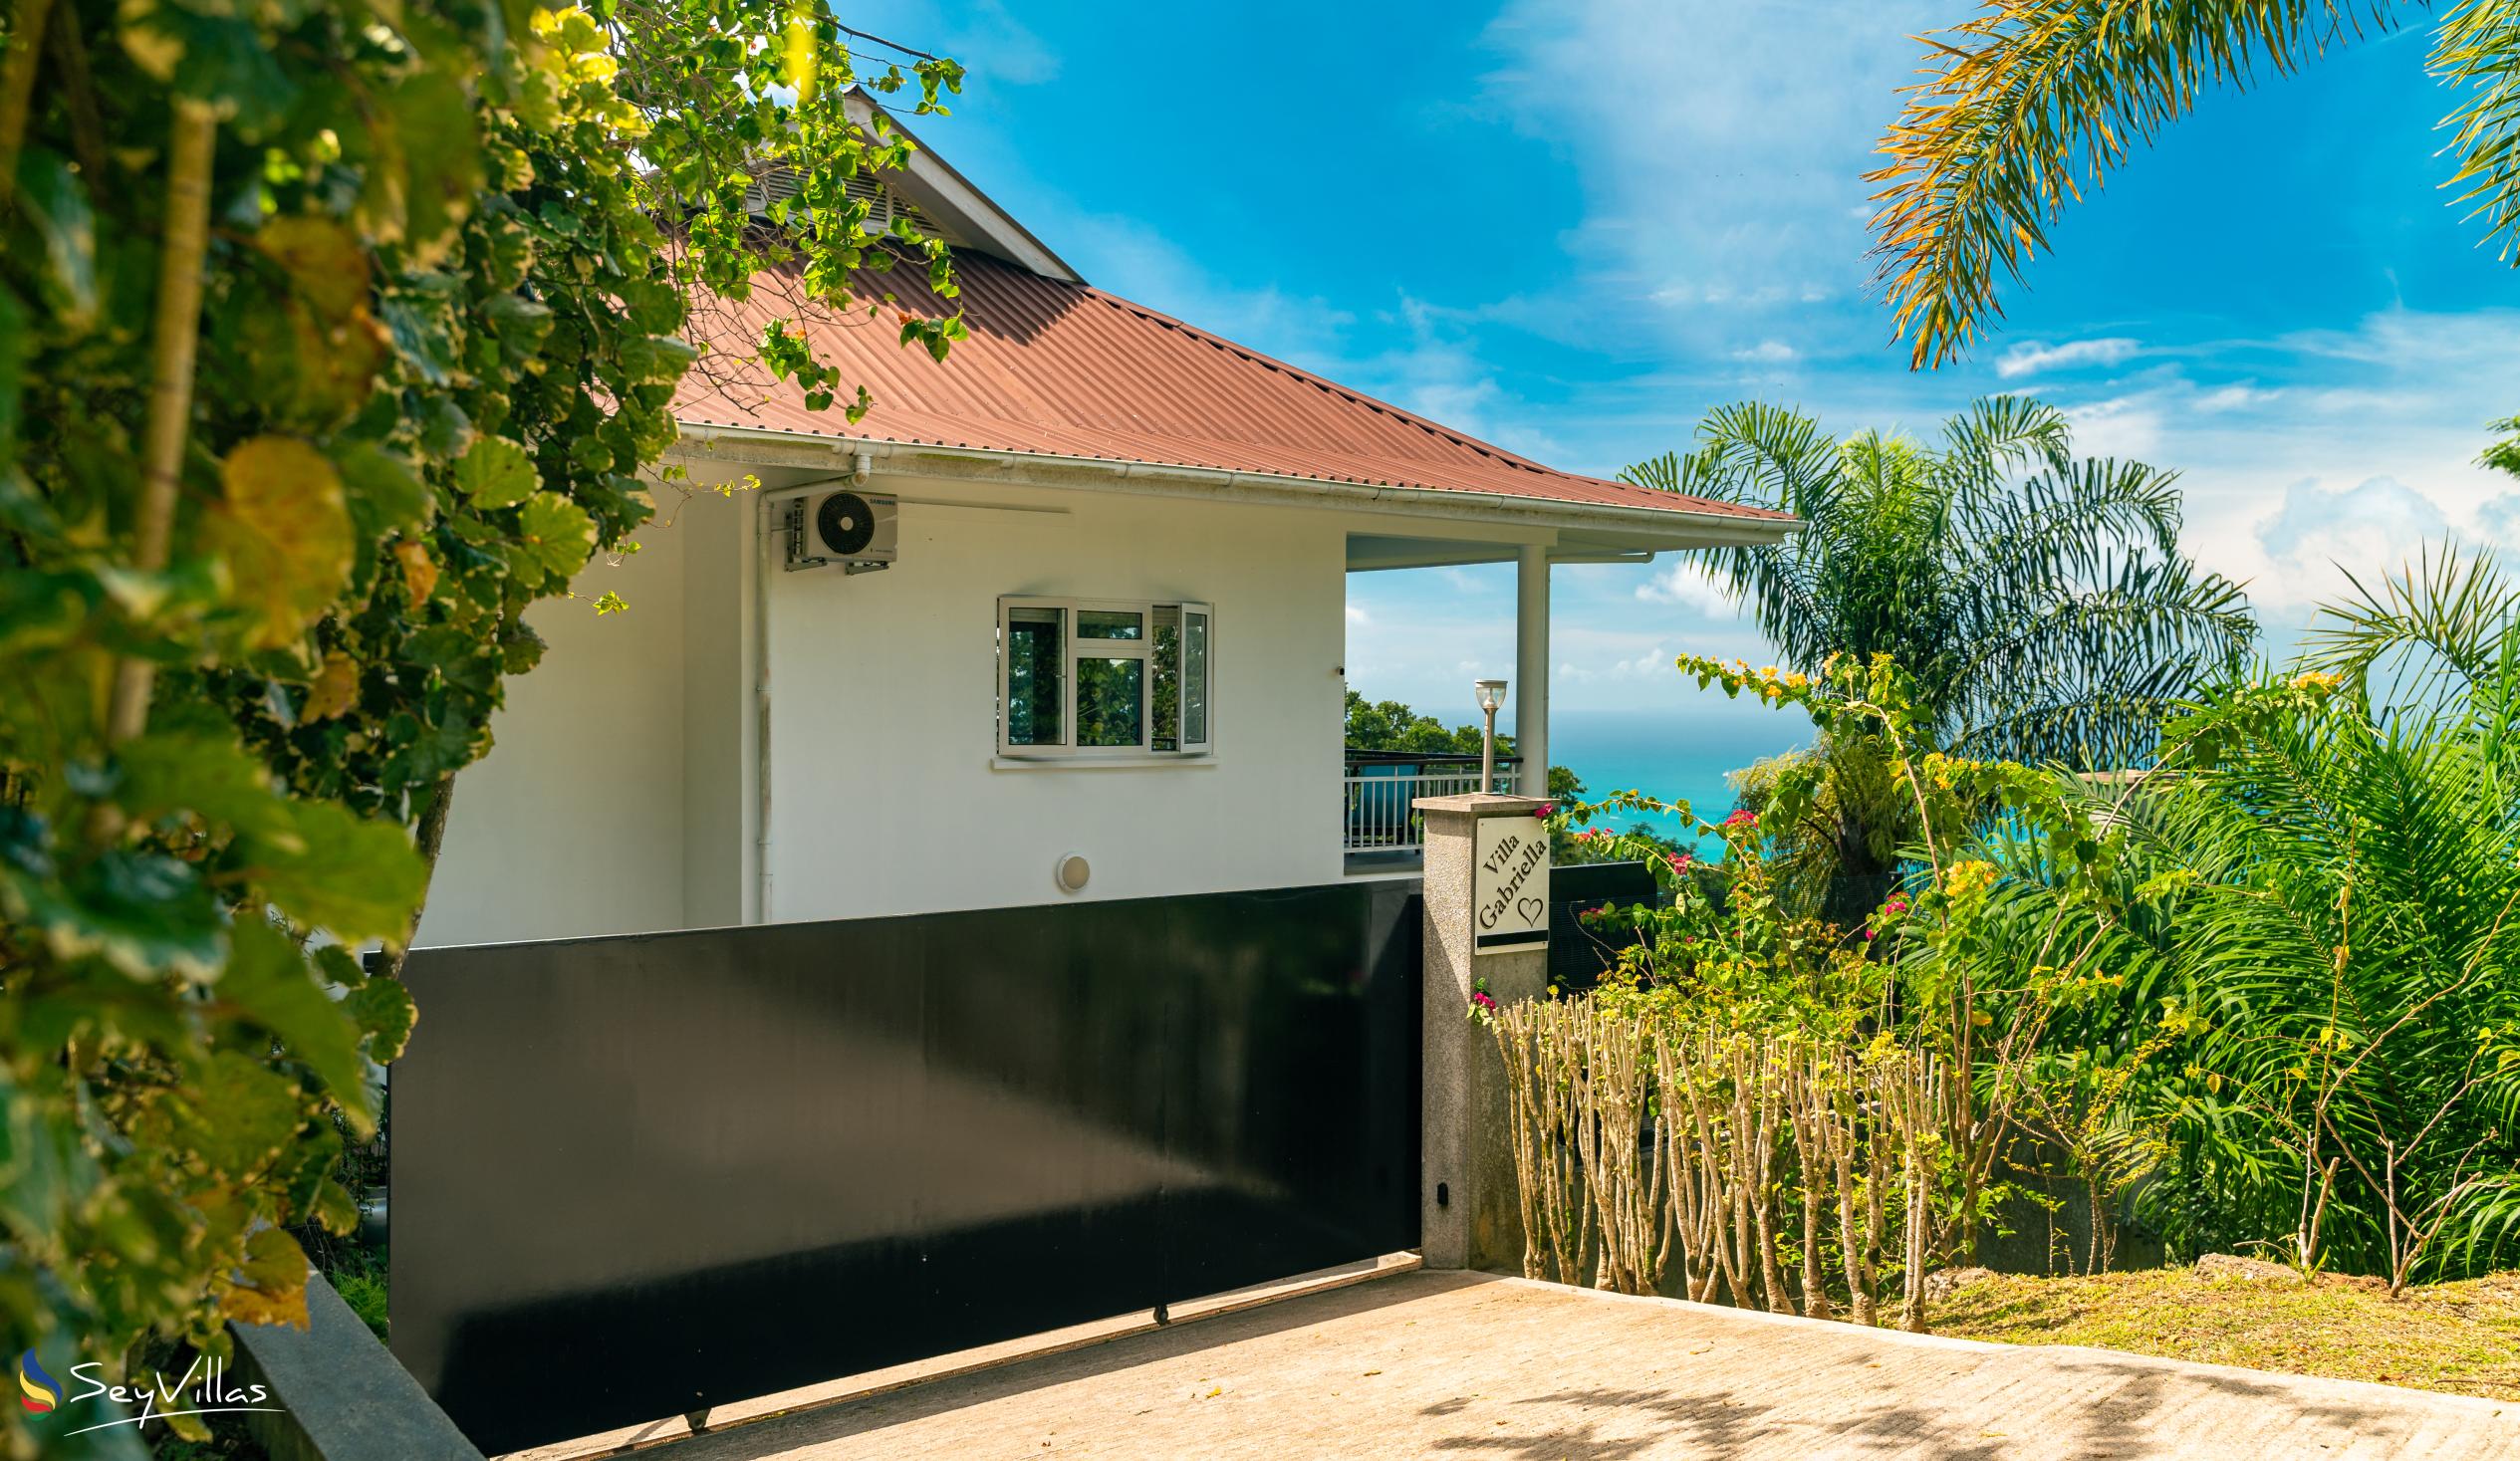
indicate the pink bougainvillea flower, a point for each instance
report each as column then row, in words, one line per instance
column 1483, row 999
column 1545, row 812
column 1742, row 816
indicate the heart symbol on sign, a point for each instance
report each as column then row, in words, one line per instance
column 1531, row 910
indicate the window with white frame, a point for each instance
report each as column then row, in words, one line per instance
column 1102, row 677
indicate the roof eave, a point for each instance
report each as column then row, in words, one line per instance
column 1704, row 529
column 940, row 190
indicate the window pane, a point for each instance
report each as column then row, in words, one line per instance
column 1034, row 661
column 1111, row 703
column 1194, row 679
column 1110, row 624
column 1166, row 698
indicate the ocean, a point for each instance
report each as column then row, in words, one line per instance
column 1671, row 755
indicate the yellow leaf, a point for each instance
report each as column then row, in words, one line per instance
column 270, row 1285
column 284, row 528
column 419, row 570
column 323, row 260
column 336, row 688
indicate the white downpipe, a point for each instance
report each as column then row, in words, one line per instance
column 767, row 560
column 764, row 563
column 1531, row 668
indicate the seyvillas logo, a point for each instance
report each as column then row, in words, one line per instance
column 36, row 1391
column 202, row 1389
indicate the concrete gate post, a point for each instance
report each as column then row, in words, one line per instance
column 1469, row 1214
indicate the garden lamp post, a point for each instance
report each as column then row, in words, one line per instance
column 1491, row 699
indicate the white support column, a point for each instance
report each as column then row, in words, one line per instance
column 1530, row 669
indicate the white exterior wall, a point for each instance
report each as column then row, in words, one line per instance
column 575, row 820
column 888, row 793
column 619, row 796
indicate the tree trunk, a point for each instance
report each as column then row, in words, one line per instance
column 428, row 837
column 17, row 89
column 175, row 340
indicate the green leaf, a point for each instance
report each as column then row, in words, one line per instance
column 655, row 359
column 557, row 537
column 426, row 165
column 219, row 58
column 333, row 870
column 384, row 1007
column 495, row 472
column 55, row 205
column 385, row 494
column 140, row 912
column 315, row 861
column 268, row 981
column 518, row 324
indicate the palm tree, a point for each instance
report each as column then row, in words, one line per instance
column 2033, row 103
column 2341, row 853
column 2040, row 601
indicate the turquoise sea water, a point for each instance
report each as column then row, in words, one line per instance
column 1671, row 755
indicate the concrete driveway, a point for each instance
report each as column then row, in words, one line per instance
column 1450, row 1364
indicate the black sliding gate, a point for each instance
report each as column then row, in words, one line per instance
column 635, row 1176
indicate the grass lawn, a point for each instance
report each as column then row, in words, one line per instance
column 2463, row 1337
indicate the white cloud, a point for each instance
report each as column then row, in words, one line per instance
column 1768, row 352
column 1689, row 586
column 1151, row 269
column 1358, row 616
column 1656, row 661
column 1719, row 149
column 2030, row 357
column 2498, row 522
column 2122, row 426
column 2237, row 396
column 2318, row 535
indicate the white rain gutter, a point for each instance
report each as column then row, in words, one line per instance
column 1720, row 529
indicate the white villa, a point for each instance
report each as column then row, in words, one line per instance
column 1063, row 617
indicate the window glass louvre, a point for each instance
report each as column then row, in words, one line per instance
column 1036, row 677
column 1111, row 703
column 1195, row 658
column 1110, row 624
column 1163, row 730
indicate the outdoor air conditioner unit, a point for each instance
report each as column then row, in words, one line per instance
column 860, row 531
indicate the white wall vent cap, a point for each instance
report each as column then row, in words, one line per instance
column 1072, row 872
column 781, row 184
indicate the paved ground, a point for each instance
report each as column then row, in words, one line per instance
column 1465, row 1365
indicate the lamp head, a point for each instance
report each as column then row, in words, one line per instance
column 1491, row 695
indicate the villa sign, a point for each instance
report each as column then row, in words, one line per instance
column 1509, row 884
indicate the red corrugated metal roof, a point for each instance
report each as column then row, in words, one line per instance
column 1071, row 371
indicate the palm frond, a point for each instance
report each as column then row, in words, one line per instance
column 2477, row 48
column 2031, row 102
column 2437, row 630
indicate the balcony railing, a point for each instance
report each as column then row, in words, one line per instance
column 1382, row 787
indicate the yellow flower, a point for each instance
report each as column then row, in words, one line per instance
column 1964, row 879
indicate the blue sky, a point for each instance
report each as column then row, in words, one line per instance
column 1573, row 227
